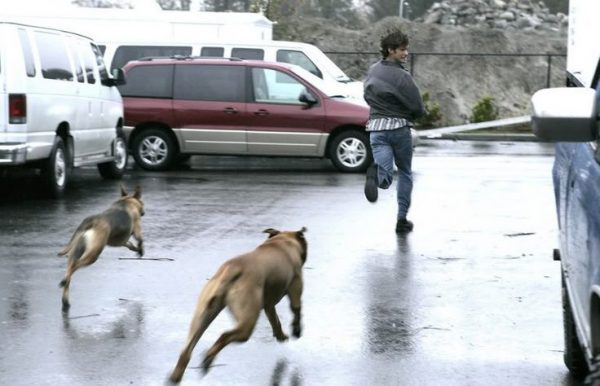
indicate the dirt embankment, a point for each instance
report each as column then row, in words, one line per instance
column 455, row 82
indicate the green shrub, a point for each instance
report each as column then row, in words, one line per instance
column 484, row 110
column 432, row 113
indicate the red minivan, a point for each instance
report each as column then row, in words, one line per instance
column 181, row 106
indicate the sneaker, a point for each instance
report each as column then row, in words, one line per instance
column 371, row 183
column 404, row 226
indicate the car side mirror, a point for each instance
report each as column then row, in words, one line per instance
column 307, row 98
column 565, row 114
column 117, row 78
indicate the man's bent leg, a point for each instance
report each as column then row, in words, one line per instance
column 383, row 156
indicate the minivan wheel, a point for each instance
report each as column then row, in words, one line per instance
column 350, row 151
column 114, row 169
column 154, row 149
column 55, row 170
column 573, row 356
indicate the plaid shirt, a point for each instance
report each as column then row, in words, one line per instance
column 380, row 124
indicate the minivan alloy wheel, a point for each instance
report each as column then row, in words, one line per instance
column 351, row 152
column 153, row 150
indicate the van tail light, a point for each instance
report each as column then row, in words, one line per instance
column 17, row 105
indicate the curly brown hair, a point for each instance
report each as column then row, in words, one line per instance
column 391, row 41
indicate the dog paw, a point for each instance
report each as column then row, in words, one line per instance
column 282, row 337
column 297, row 331
column 140, row 252
column 206, row 363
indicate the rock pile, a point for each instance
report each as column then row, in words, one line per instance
column 499, row 14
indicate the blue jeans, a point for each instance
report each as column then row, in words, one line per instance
column 389, row 147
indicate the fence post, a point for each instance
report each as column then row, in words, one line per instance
column 549, row 71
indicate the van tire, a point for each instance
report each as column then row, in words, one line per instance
column 573, row 356
column 154, row 149
column 114, row 169
column 350, row 151
column 55, row 170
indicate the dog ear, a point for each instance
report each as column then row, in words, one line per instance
column 138, row 192
column 272, row 232
column 302, row 230
column 123, row 191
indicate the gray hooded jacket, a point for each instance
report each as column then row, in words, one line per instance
column 391, row 92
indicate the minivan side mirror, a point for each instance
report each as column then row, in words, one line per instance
column 565, row 114
column 307, row 98
column 117, row 79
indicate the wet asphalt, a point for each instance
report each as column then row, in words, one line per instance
column 470, row 297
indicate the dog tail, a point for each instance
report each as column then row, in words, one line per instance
column 70, row 245
column 212, row 298
column 86, row 224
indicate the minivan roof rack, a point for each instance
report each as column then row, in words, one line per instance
column 188, row 57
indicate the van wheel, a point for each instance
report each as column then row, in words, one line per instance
column 154, row 149
column 573, row 357
column 55, row 170
column 350, row 151
column 114, row 169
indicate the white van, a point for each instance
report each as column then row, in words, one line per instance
column 59, row 107
column 307, row 56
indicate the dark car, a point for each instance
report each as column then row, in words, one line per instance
column 181, row 106
column 570, row 115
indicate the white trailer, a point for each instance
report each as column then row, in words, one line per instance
column 583, row 48
column 142, row 25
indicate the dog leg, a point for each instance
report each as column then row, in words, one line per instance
column 275, row 323
column 139, row 249
column 245, row 311
column 137, row 234
column 295, row 294
column 89, row 256
column 204, row 314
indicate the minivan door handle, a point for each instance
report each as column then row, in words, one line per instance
column 261, row 112
column 230, row 110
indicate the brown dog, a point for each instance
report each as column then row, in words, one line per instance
column 112, row 227
column 246, row 284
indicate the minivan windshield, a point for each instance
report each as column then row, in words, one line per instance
column 330, row 89
column 331, row 67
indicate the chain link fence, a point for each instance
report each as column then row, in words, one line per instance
column 457, row 81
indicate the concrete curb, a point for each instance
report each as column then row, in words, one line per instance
column 512, row 137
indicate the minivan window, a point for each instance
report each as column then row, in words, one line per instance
column 273, row 86
column 27, row 53
column 78, row 59
column 100, row 62
column 53, row 56
column 124, row 54
column 89, row 60
column 248, row 53
column 215, row 52
column 298, row 58
column 210, row 83
column 149, row 82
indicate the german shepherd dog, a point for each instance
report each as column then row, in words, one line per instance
column 112, row 227
column 246, row 284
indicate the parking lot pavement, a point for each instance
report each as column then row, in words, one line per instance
column 470, row 297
